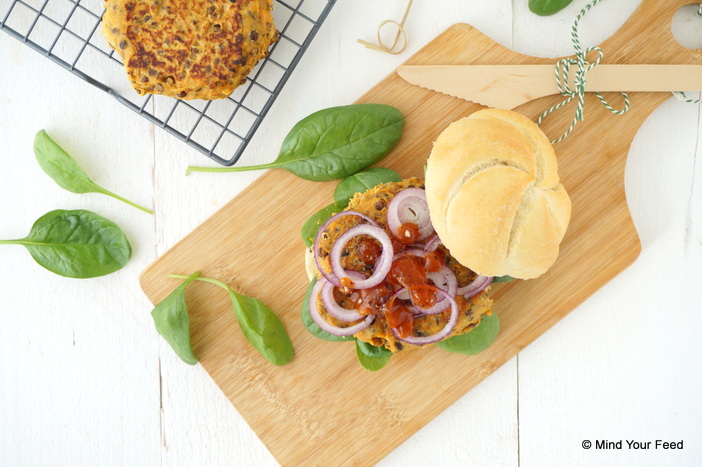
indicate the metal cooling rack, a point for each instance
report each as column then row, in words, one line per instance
column 68, row 33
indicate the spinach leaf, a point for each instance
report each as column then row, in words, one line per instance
column 311, row 326
column 77, row 243
column 334, row 143
column 372, row 351
column 173, row 323
column 60, row 166
column 312, row 225
column 363, row 181
column 476, row 340
column 261, row 327
column 370, row 359
column 499, row 279
column 548, row 7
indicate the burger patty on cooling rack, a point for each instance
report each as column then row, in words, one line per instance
column 189, row 49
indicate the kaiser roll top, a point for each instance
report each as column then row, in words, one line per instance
column 494, row 194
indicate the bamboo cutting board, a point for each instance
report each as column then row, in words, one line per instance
column 298, row 410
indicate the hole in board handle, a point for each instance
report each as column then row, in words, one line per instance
column 687, row 27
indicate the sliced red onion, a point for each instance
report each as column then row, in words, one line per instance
column 410, row 205
column 445, row 331
column 330, row 328
column 333, row 308
column 445, row 280
column 475, row 287
column 411, row 251
column 382, row 265
column 318, row 238
column 433, row 243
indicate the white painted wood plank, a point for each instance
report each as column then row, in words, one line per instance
column 78, row 358
column 551, row 36
column 621, row 366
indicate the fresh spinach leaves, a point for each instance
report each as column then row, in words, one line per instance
column 370, row 357
column 548, row 7
column 334, row 143
column 312, row 225
column 261, row 327
column 363, row 181
column 476, row 340
column 173, row 323
column 498, row 279
column 61, row 167
column 76, row 243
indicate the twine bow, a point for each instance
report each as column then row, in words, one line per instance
column 579, row 79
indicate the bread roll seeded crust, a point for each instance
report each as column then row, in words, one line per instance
column 494, row 195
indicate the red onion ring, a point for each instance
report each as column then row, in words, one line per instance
column 382, row 265
column 475, row 287
column 318, row 238
column 433, row 243
column 444, row 280
column 411, row 251
column 330, row 328
column 331, row 305
column 445, row 331
column 410, row 205
column 428, row 245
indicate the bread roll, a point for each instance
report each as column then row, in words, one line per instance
column 494, row 194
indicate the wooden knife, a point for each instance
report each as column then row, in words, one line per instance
column 509, row 86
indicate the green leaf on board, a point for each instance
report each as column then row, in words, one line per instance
column 369, row 359
column 363, row 181
column 498, row 279
column 173, row 322
column 260, row 326
column 315, row 221
column 476, row 340
column 334, row 143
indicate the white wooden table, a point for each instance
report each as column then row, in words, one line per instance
column 86, row 380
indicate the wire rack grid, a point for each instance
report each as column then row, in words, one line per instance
column 68, row 33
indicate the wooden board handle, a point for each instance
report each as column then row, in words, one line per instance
column 647, row 37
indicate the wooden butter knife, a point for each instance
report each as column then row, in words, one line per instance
column 509, row 86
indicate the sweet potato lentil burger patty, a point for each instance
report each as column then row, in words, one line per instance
column 189, row 49
column 374, row 203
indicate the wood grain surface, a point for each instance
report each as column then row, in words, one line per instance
column 300, row 410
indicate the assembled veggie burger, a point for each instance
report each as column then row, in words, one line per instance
column 409, row 263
